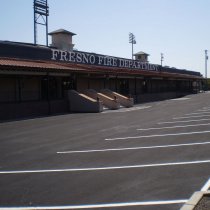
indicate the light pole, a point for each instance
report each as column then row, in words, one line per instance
column 206, row 58
column 161, row 58
column 132, row 40
column 41, row 13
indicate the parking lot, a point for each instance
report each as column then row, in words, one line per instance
column 151, row 156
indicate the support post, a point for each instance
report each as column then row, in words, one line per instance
column 206, row 75
column 41, row 13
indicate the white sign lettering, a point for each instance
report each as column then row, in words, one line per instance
column 101, row 60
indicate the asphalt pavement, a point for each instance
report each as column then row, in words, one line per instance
column 151, row 156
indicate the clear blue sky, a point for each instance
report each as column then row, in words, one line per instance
column 180, row 29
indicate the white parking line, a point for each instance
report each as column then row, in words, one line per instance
column 186, row 121
column 206, row 107
column 195, row 113
column 126, row 109
column 197, row 116
column 106, row 205
column 134, row 148
column 179, row 99
column 105, row 168
column 206, row 186
column 203, row 110
column 178, row 126
column 157, row 135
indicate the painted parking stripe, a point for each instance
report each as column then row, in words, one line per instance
column 179, row 99
column 105, row 168
column 126, row 109
column 185, row 121
column 106, row 205
column 206, row 186
column 133, row 109
column 195, row 113
column 194, row 116
column 157, row 135
column 134, row 148
column 171, row 127
column 202, row 110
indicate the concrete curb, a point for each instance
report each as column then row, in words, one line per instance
column 193, row 201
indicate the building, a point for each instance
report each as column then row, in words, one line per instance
column 141, row 56
column 34, row 80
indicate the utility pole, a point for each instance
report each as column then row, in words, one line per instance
column 132, row 40
column 206, row 58
column 206, row 75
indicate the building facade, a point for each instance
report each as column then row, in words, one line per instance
column 34, row 80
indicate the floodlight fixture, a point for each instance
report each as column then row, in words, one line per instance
column 41, row 13
column 161, row 58
column 132, row 40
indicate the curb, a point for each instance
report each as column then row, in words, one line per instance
column 193, row 201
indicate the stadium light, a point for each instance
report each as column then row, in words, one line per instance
column 132, row 40
column 161, row 58
column 41, row 13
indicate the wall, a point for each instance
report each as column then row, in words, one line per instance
column 62, row 41
column 7, row 89
column 23, row 96
column 82, row 84
column 30, row 88
column 9, row 111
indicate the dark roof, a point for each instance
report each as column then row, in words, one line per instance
column 23, row 44
column 22, row 55
column 61, row 31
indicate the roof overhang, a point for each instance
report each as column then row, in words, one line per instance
column 15, row 65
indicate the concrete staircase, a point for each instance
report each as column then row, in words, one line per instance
column 110, row 103
column 79, row 102
column 123, row 100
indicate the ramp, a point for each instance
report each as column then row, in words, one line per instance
column 123, row 100
column 79, row 102
column 111, row 103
